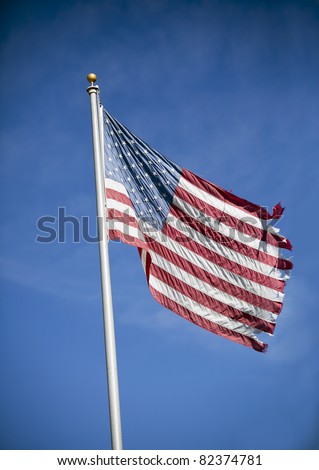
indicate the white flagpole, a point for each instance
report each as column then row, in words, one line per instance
column 109, row 335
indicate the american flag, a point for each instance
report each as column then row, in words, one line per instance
column 208, row 255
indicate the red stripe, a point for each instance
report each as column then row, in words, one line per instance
column 125, row 238
column 118, row 216
column 220, row 284
column 230, row 198
column 147, row 262
column 210, row 302
column 232, row 266
column 207, row 324
column 235, row 245
column 231, row 221
column 117, row 196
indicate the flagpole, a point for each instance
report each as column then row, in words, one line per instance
column 109, row 334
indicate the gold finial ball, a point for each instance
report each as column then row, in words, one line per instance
column 91, row 77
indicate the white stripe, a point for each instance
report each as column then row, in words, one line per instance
column 125, row 229
column 224, row 229
column 210, row 290
column 218, row 248
column 201, row 262
column 216, row 270
column 185, row 229
column 143, row 259
column 202, row 311
column 224, row 251
column 224, row 206
column 121, row 207
column 111, row 184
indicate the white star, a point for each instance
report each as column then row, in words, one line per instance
column 146, row 199
column 150, row 210
column 128, row 154
column 133, row 190
column 109, row 159
column 109, row 146
column 116, row 144
column 112, row 133
column 128, row 179
column 133, row 166
column 154, row 173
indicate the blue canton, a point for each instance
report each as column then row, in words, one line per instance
column 150, row 178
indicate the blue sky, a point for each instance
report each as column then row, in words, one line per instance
column 227, row 89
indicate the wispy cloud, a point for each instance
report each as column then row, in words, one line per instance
column 64, row 278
